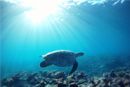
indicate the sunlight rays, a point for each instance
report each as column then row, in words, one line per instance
column 41, row 9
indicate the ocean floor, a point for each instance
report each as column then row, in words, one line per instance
column 119, row 77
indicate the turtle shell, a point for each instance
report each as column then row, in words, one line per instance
column 61, row 58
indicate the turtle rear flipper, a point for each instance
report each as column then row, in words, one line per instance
column 74, row 67
column 44, row 64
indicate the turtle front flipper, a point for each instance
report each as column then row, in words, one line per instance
column 74, row 67
column 44, row 64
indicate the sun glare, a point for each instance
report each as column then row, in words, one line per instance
column 41, row 8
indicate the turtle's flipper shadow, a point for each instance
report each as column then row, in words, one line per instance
column 74, row 67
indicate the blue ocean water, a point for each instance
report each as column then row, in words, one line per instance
column 93, row 29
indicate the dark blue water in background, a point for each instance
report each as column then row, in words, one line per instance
column 92, row 29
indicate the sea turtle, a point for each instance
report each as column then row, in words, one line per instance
column 61, row 58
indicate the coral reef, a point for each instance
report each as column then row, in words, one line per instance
column 115, row 78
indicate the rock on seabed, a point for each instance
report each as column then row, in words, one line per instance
column 114, row 78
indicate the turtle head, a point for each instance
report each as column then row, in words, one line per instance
column 79, row 54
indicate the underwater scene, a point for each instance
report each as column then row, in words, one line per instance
column 64, row 43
